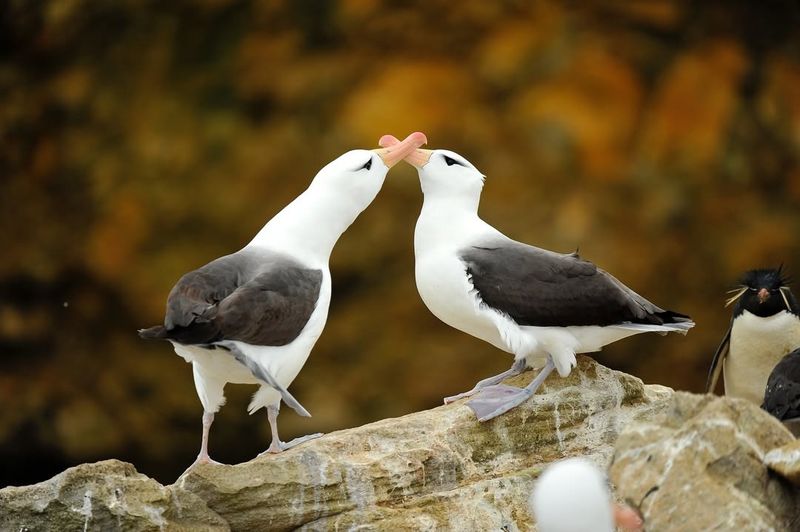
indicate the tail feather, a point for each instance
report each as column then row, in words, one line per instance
column 681, row 327
column 159, row 332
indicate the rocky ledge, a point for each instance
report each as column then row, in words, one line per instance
column 442, row 470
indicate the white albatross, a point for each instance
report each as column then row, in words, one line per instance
column 253, row 317
column 542, row 307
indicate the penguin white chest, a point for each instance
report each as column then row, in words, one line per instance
column 756, row 346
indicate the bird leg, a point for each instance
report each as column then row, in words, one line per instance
column 516, row 368
column 277, row 446
column 500, row 398
column 202, row 457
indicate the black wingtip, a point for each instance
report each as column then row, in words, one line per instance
column 669, row 316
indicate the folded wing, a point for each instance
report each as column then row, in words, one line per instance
column 260, row 299
column 541, row 288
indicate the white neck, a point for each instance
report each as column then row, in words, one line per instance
column 449, row 222
column 466, row 198
column 311, row 224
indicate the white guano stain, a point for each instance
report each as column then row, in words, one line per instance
column 86, row 509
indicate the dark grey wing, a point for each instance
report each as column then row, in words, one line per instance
column 718, row 362
column 192, row 302
column 254, row 298
column 538, row 287
column 271, row 309
column 782, row 395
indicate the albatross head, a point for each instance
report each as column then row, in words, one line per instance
column 359, row 174
column 443, row 172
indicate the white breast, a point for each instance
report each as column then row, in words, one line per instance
column 445, row 289
column 442, row 231
column 756, row 346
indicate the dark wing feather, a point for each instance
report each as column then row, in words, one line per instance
column 538, row 287
column 782, row 395
column 273, row 308
column 254, row 298
column 718, row 362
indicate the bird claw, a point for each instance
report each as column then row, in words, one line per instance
column 454, row 398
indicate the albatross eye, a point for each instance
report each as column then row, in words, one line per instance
column 367, row 165
column 450, row 161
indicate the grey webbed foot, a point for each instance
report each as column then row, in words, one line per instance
column 495, row 400
column 201, row 459
column 517, row 368
column 202, row 456
column 498, row 399
column 278, row 446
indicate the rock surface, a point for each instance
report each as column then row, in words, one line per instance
column 690, row 462
column 785, row 461
column 108, row 495
column 701, row 464
column 434, row 470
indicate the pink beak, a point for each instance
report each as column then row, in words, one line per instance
column 417, row 158
column 393, row 153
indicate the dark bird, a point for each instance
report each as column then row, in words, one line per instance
column 253, row 317
column 782, row 396
column 542, row 307
column 764, row 328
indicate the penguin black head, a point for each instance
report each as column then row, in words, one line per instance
column 764, row 292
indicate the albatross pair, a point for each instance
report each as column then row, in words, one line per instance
column 542, row 307
column 253, row 317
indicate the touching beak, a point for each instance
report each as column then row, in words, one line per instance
column 393, row 153
column 763, row 295
column 417, row 158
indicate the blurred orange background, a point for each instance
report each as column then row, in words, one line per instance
column 141, row 139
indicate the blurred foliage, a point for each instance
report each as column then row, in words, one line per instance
column 140, row 139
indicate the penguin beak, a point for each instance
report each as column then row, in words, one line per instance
column 763, row 295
